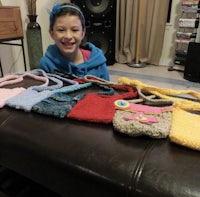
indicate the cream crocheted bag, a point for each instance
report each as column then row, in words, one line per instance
column 154, row 122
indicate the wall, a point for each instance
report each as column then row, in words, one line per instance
column 11, row 56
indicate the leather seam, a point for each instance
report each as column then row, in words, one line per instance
column 138, row 170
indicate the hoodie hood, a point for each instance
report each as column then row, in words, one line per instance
column 55, row 61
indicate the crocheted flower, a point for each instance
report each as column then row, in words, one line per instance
column 142, row 118
column 121, row 104
column 132, row 107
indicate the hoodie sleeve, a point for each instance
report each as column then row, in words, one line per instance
column 46, row 65
column 47, row 62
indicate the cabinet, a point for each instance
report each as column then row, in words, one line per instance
column 188, row 23
column 10, row 22
column 11, row 28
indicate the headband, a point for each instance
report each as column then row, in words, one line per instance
column 58, row 7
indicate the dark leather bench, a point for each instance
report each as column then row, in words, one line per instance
column 76, row 158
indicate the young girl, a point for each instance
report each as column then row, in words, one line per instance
column 67, row 29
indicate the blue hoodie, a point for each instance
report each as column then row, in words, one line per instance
column 95, row 65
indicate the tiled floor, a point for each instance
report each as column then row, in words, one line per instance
column 153, row 75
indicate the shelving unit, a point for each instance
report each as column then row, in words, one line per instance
column 187, row 32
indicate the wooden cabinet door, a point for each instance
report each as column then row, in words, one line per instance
column 10, row 22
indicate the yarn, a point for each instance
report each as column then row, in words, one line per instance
column 168, row 94
column 9, row 93
column 96, row 80
column 27, row 99
column 99, row 107
column 137, row 119
column 121, row 104
column 185, row 125
column 59, row 103
column 35, row 94
column 132, row 107
column 10, row 79
column 152, row 99
column 156, row 126
column 185, row 129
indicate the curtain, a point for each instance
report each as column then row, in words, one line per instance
column 150, row 21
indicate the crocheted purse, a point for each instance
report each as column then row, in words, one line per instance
column 185, row 129
column 152, row 99
column 178, row 97
column 137, row 119
column 35, row 94
column 59, row 103
column 99, row 107
column 7, row 93
column 10, row 79
column 97, row 80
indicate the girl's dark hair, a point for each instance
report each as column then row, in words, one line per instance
column 65, row 9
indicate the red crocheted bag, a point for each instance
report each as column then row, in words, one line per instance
column 99, row 107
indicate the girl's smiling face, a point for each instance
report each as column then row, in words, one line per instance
column 68, row 34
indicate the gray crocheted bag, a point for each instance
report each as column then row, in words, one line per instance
column 134, row 127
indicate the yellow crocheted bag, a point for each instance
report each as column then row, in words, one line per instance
column 185, row 129
column 138, row 119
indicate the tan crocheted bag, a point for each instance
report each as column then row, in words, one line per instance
column 138, row 122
